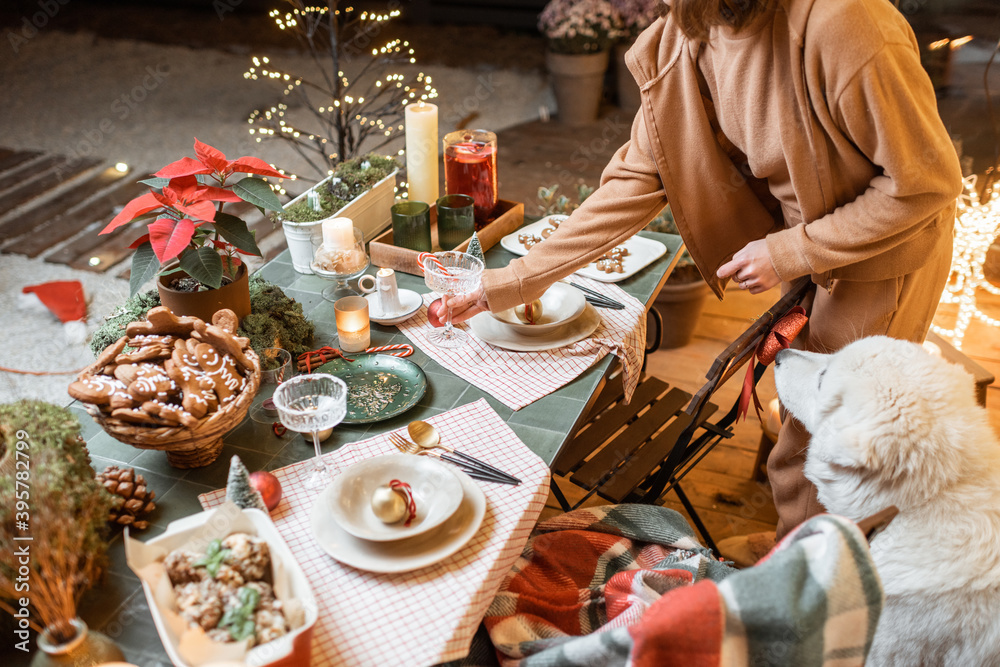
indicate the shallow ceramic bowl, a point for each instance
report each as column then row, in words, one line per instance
column 436, row 491
column 561, row 304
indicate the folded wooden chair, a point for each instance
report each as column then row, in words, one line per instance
column 657, row 448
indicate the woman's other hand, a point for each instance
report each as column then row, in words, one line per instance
column 751, row 268
column 465, row 306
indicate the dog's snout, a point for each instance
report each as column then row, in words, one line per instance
column 781, row 353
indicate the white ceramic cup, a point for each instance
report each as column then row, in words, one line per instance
column 384, row 282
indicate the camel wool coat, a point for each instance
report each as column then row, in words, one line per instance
column 872, row 168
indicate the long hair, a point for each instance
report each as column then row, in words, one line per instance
column 696, row 17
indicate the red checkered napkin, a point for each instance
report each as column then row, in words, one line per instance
column 518, row 379
column 428, row 615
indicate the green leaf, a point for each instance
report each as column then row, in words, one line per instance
column 204, row 265
column 144, row 267
column 257, row 192
column 155, row 182
column 235, row 231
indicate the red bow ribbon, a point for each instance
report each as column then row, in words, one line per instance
column 307, row 360
column 780, row 337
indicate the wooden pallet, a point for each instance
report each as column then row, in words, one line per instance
column 54, row 207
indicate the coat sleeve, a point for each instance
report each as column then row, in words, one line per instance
column 888, row 110
column 630, row 195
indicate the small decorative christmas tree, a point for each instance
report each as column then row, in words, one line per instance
column 476, row 248
column 239, row 490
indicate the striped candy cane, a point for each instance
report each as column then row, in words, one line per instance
column 427, row 255
column 404, row 350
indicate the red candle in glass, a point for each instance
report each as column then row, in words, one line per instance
column 470, row 168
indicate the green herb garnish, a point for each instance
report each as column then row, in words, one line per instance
column 215, row 555
column 239, row 619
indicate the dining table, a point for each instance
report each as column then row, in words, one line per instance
column 117, row 605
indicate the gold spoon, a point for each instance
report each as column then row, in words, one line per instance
column 427, row 437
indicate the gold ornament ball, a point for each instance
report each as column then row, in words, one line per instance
column 536, row 312
column 388, row 505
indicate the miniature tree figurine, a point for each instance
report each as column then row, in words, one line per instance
column 240, row 491
column 62, row 520
column 476, row 248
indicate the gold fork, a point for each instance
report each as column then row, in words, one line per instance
column 408, row 447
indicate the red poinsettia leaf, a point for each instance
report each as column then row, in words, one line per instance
column 181, row 188
column 253, row 165
column 211, row 193
column 139, row 241
column 169, row 237
column 210, row 156
column 164, row 199
column 133, row 209
column 201, row 210
column 184, row 167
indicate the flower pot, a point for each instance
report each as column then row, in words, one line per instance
column 87, row 647
column 235, row 296
column 680, row 305
column 579, row 84
column 371, row 212
column 628, row 89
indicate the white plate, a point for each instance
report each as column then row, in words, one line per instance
column 561, row 304
column 410, row 300
column 499, row 334
column 641, row 252
column 402, row 555
column 436, row 492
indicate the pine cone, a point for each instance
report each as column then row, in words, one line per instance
column 132, row 500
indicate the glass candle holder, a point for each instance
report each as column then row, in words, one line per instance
column 470, row 168
column 339, row 255
column 411, row 225
column 353, row 325
column 455, row 220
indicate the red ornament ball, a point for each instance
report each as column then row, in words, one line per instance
column 268, row 486
column 436, row 314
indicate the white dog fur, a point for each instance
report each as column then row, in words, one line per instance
column 894, row 425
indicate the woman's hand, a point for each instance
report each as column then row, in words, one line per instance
column 465, row 306
column 751, row 268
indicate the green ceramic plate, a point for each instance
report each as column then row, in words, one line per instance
column 379, row 386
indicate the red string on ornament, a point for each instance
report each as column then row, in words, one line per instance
column 411, row 504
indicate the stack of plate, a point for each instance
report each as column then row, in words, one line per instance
column 566, row 318
column 450, row 508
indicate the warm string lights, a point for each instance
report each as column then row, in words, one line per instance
column 976, row 226
column 345, row 116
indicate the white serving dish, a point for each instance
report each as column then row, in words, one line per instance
column 642, row 251
column 402, row 555
column 561, row 304
column 190, row 648
column 436, row 492
column 489, row 330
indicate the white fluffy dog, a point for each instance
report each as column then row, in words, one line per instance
column 894, row 425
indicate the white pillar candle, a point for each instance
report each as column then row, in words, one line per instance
column 353, row 325
column 338, row 234
column 422, row 151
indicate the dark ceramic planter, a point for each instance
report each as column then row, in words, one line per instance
column 235, row 296
column 680, row 306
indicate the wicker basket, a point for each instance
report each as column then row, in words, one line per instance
column 185, row 447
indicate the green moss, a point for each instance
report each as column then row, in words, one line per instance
column 275, row 320
column 350, row 180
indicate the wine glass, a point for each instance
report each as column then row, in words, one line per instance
column 340, row 264
column 461, row 274
column 312, row 403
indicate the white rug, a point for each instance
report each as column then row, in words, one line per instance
column 34, row 339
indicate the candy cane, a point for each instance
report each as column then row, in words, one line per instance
column 425, row 255
column 404, row 350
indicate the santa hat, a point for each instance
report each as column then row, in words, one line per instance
column 63, row 297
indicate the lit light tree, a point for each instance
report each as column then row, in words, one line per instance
column 347, row 116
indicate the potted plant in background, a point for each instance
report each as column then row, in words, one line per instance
column 635, row 16
column 580, row 33
column 362, row 189
column 191, row 244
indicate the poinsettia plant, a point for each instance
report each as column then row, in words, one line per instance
column 187, row 221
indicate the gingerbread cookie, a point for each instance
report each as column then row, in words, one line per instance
column 147, row 353
column 138, row 416
column 197, row 390
column 96, row 389
column 226, row 320
column 225, row 343
column 110, row 352
column 151, row 382
column 161, row 320
column 221, row 369
column 171, row 414
column 152, row 339
column 528, row 240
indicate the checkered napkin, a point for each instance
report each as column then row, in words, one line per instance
column 428, row 615
column 518, row 379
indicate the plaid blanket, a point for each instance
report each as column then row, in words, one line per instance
column 630, row 585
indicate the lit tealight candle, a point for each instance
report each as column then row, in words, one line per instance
column 353, row 326
column 338, row 234
column 422, row 151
